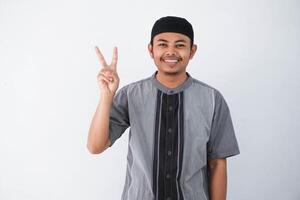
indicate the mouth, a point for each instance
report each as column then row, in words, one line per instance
column 171, row 62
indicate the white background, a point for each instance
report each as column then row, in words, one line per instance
column 249, row 50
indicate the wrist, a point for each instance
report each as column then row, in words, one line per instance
column 107, row 96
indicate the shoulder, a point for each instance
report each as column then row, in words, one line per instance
column 139, row 84
column 215, row 94
column 204, row 86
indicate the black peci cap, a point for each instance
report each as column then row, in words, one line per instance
column 172, row 24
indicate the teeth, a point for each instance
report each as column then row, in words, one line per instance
column 171, row 61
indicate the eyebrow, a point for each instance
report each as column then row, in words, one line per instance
column 163, row 40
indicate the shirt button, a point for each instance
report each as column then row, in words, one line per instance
column 170, row 108
column 168, row 176
column 169, row 153
column 169, row 130
column 171, row 91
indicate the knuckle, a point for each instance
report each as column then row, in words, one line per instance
column 101, row 76
column 103, row 70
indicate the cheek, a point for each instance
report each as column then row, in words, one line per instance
column 185, row 55
column 157, row 55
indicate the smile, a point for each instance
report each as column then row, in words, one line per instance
column 171, row 61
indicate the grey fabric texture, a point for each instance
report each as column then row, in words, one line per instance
column 222, row 142
column 208, row 134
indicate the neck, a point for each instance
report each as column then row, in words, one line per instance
column 171, row 80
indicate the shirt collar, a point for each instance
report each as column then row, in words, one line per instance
column 168, row 90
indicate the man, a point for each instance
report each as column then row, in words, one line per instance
column 181, row 130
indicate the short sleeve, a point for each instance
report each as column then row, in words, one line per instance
column 119, row 117
column 222, row 142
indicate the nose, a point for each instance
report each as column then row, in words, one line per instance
column 171, row 51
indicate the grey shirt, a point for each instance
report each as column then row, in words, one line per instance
column 173, row 132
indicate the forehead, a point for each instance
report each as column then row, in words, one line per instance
column 171, row 37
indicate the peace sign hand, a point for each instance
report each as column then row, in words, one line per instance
column 108, row 78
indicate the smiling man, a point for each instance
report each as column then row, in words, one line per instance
column 181, row 130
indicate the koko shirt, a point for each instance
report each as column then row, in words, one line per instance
column 173, row 132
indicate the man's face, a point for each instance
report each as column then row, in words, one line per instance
column 171, row 52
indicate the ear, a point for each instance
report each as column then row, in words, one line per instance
column 150, row 49
column 193, row 51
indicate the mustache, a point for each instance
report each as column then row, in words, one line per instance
column 171, row 58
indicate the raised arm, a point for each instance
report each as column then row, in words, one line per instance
column 108, row 81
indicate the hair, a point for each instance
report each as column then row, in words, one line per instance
column 191, row 45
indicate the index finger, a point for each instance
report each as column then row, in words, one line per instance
column 114, row 58
column 100, row 57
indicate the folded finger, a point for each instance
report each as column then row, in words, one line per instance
column 104, row 77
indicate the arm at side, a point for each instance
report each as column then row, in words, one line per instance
column 218, row 179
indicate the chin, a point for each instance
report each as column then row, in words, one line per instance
column 169, row 71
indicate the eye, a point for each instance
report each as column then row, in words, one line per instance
column 180, row 45
column 162, row 44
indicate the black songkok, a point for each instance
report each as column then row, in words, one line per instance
column 172, row 24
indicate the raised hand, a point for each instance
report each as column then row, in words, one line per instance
column 107, row 77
